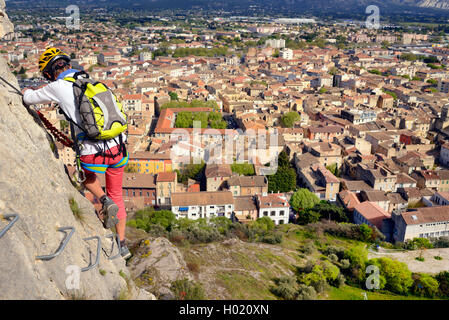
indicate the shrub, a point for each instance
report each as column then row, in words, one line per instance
column 157, row 230
column 147, row 217
column 424, row 285
column 333, row 257
column 306, row 292
column 419, row 243
column 397, row 275
column 315, row 278
column 286, row 288
column 187, row 290
column 333, row 250
column 339, row 281
column 308, row 248
column 263, row 224
column 443, row 279
column 77, row 212
column 438, row 258
column 176, row 236
column 193, row 267
column 345, row 264
column 346, row 230
column 330, row 272
column 420, row 259
column 272, row 238
column 441, row 242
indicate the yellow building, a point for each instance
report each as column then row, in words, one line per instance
column 150, row 163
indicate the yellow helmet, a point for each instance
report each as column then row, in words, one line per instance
column 49, row 56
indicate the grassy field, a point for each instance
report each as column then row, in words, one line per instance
column 351, row 293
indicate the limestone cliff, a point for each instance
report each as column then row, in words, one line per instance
column 5, row 25
column 33, row 184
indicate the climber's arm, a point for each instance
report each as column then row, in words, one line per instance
column 43, row 95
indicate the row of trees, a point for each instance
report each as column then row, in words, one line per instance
column 192, row 104
column 185, row 119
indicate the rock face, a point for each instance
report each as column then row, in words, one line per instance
column 5, row 25
column 34, row 184
column 156, row 264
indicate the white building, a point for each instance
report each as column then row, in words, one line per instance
column 432, row 222
column 145, row 56
column 274, row 206
column 195, row 205
column 286, row 54
column 275, row 43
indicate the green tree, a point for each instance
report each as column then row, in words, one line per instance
column 443, row 279
column 424, row 285
column 365, row 232
column 284, row 180
column 264, row 224
column 303, row 199
column 246, row 169
column 330, row 211
column 289, row 119
column 322, row 90
column 173, row 95
column 397, row 275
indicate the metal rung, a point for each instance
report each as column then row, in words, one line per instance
column 10, row 224
column 61, row 247
column 97, row 259
column 112, row 236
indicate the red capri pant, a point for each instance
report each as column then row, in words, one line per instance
column 113, row 168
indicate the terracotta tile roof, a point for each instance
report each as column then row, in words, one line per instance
column 272, row 201
column 218, row 170
column 426, row 215
column 166, row 177
column 201, row 198
column 372, row 212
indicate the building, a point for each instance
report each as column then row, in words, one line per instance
column 444, row 155
column 286, row 54
column 166, row 183
column 320, row 181
column 150, row 163
column 359, row 116
column 195, row 205
column 217, row 175
column 443, row 86
column 371, row 214
column 275, row 43
column 245, row 208
column 429, row 222
column 275, row 206
column 248, row 185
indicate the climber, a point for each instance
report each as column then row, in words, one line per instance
column 102, row 156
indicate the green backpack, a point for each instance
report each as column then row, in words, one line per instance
column 102, row 115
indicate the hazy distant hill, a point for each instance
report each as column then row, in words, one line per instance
column 335, row 8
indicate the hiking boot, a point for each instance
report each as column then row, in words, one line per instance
column 124, row 252
column 109, row 212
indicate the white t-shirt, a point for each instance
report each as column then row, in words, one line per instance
column 61, row 91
